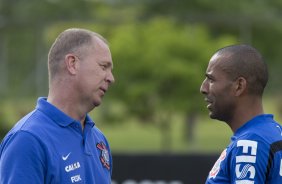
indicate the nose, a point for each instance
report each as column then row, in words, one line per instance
column 204, row 87
column 110, row 78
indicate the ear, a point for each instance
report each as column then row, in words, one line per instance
column 240, row 86
column 71, row 62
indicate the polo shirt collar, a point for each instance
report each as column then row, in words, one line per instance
column 89, row 121
column 53, row 112
column 263, row 118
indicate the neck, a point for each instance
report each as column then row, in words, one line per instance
column 244, row 113
column 68, row 105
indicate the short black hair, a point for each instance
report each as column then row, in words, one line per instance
column 245, row 61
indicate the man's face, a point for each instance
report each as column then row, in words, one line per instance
column 95, row 73
column 217, row 89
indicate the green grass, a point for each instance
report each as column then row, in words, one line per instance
column 210, row 136
column 129, row 136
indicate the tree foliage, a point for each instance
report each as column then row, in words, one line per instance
column 160, row 48
column 160, row 64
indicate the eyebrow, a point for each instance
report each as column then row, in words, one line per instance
column 208, row 75
column 107, row 63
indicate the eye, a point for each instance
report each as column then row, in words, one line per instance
column 209, row 79
column 104, row 67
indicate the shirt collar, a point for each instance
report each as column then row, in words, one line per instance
column 89, row 121
column 263, row 118
column 56, row 114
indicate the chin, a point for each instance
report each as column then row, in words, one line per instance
column 212, row 116
column 97, row 103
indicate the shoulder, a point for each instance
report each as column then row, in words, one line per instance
column 251, row 153
column 28, row 156
column 28, row 131
column 22, row 148
column 21, row 140
column 251, row 145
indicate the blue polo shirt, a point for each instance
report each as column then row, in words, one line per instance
column 47, row 146
column 254, row 155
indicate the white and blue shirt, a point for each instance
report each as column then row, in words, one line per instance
column 47, row 146
column 254, row 155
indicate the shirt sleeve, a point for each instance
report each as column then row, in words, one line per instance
column 22, row 160
column 249, row 161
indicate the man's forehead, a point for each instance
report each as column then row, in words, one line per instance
column 221, row 60
column 216, row 65
column 214, row 62
column 215, row 57
column 222, row 56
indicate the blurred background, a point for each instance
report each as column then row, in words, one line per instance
column 160, row 50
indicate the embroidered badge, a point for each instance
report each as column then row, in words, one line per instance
column 104, row 157
column 216, row 166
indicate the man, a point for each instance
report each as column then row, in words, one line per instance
column 235, row 80
column 58, row 142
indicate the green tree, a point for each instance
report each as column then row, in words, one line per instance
column 160, row 66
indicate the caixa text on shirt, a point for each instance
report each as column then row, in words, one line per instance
column 72, row 167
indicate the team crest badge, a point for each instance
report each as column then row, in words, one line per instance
column 105, row 156
column 216, row 166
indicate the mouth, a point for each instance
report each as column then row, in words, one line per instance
column 104, row 90
column 209, row 103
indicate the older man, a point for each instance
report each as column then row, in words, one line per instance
column 58, row 142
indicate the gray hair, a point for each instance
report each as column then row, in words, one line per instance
column 72, row 40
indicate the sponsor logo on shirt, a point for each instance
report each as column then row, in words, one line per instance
column 245, row 170
column 72, row 167
column 66, row 157
column 104, row 156
column 76, row 178
column 216, row 166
